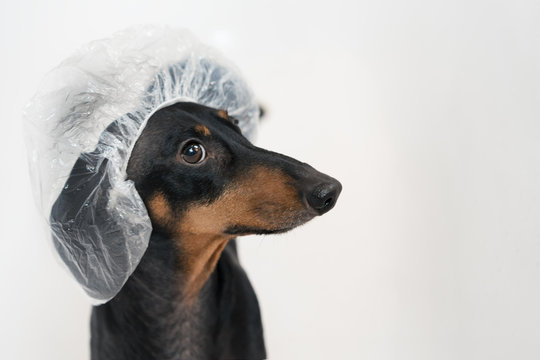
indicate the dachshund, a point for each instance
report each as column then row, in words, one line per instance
column 203, row 184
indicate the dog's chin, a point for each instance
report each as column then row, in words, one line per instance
column 246, row 230
column 240, row 230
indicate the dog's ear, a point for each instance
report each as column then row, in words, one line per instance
column 77, row 218
column 262, row 112
column 96, row 229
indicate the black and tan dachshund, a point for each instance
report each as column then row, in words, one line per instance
column 203, row 184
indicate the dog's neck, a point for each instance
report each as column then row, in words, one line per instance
column 197, row 238
column 198, row 255
column 153, row 318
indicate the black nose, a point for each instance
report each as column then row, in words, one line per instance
column 324, row 196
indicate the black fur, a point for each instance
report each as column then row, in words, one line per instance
column 147, row 319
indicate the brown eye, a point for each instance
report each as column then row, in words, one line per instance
column 193, row 153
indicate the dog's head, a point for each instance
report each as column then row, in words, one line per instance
column 197, row 174
column 204, row 183
column 192, row 171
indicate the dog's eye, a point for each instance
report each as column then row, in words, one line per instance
column 193, row 153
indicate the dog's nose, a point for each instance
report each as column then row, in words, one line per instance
column 324, row 196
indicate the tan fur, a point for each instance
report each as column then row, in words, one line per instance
column 262, row 198
column 203, row 130
column 159, row 209
column 223, row 114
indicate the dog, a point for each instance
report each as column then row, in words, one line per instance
column 203, row 184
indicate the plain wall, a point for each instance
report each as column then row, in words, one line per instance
column 428, row 112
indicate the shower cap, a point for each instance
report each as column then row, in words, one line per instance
column 82, row 125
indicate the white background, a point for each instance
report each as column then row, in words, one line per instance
column 428, row 112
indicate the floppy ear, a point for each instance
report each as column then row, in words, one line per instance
column 97, row 230
column 76, row 219
column 262, row 112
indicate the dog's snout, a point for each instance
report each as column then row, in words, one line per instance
column 323, row 196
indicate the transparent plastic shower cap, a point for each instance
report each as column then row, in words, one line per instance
column 82, row 125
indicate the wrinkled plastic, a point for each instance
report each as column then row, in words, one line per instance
column 82, row 125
